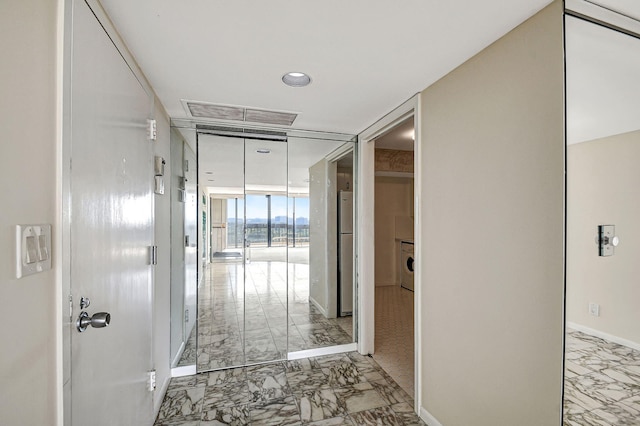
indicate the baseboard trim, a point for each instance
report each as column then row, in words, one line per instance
column 187, row 370
column 603, row 335
column 320, row 308
column 158, row 401
column 176, row 359
column 338, row 349
column 428, row 418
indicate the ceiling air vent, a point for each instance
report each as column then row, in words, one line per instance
column 244, row 114
column 218, row 112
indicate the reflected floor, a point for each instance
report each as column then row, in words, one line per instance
column 231, row 312
column 602, row 382
column 341, row 389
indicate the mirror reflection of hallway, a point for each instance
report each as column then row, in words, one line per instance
column 394, row 242
column 602, row 345
column 267, row 207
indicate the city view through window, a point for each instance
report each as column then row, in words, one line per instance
column 271, row 221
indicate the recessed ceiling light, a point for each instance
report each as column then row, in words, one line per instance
column 263, row 151
column 296, row 79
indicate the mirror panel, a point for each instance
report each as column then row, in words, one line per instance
column 182, row 190
column 602, row 342
column 221, row 294
column 276, row 258
column 320, row 172
column 265, row 324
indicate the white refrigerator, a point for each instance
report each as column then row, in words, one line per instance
column 345, row 253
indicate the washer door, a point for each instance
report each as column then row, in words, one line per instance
column 408, row 264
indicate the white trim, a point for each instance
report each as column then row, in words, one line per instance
column 428, row 418
column 330, row 350
column 175, row 359
column 366, row 231
column 157, row 403
column 417, row 250
column 604, row 14
column 606, row 336
column 339, row 152
column 187, row 370
column 61, row 289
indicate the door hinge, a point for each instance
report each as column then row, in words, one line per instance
column 151, row 383
column 186, row 316
column 153, row 255
column 70, row 308
column 152, row 131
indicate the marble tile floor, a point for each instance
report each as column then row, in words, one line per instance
column 602, row 382
column 394, row 339
column 260, row 319
column 341, row 389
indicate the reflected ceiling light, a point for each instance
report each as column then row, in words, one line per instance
column 411, row 134
column 296, row 79
column 263, row 151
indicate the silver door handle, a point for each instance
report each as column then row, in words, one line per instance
column 98, row 320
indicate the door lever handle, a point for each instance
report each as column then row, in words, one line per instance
column 98, row 320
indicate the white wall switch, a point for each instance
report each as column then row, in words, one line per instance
column 33, row 249
column 594, row 309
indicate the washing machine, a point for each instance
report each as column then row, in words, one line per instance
column 406, row 260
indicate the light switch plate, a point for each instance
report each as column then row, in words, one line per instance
column 33, row 249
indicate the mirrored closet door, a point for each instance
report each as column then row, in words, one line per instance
column 602, row 344
column 277, row 261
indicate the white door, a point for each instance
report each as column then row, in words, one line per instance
column 111, row 231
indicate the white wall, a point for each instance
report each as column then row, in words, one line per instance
column 603, row 177
column 317, row 234
column 28, row 307
column 323, row 244
column 492, row 157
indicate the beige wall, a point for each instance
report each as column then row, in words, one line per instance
column 602, row 189
column 492, row 200
column 28, row 190
column 393, row 205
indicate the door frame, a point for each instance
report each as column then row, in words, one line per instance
column 64, row 80
column 366, row 229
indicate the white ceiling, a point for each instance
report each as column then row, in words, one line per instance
column 603, row 86
column 365, row 56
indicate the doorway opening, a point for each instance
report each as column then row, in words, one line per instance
column 394, row 253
